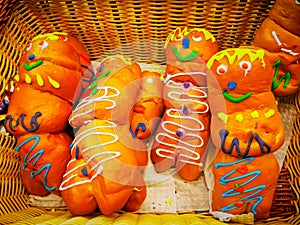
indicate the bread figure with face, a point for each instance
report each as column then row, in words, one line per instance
column 50, row 70
column 246, row 128
column 183, row 134
column 279, row 35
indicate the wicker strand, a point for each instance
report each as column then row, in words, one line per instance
column 136, row 29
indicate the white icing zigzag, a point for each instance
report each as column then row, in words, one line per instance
column 174, row 94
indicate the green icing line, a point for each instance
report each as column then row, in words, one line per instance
column 94, row 91
column 193, row 55
column 286, row 77
column 33, row 65
column 104, row 74
column 93, row 84
column 236, row 100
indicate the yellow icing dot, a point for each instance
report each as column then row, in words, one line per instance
column 161, row 77
column 40, row 80
column 255, row 114
column 136, row 189
column 169, row 201
column 54, row 83
column 27, row 79
column 239, row 117
column 17, row 78
column 270, row 113
column 18, row 89
column 223, row 117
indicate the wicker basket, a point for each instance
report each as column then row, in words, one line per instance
column 103, row 26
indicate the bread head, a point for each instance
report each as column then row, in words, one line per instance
column 50, row 61
column 242, row 103
column 286, row 13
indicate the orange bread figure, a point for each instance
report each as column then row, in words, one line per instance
column 246, row 128
column 245, row 119
column 107, row 157
column 279, row 35
column 183, row 134
column 41, row 105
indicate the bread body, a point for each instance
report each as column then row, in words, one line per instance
column 183, row 134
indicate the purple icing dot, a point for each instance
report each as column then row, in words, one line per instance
column 179, row 133
column 84, row 171
column 186, row 84
column 185, row 110
column 77, row 153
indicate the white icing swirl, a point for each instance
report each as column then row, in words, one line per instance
column 101, row 156
column 289, row 51
column 92, row 100
column 192, row 132
column 171, row 76
column 105, row 155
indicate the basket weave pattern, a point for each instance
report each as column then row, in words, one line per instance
column 135, row 29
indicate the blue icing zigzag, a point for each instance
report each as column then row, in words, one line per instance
column 35, row 158
column 232, row 192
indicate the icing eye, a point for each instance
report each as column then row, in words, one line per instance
column 196, row 38
column 245, row 65
column 63, row 38
column 222, row 69
column 28, row 46
column 178, row 38
column 43, row 44
column 297, row 2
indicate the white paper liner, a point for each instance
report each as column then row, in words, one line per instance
column 167, row 192
column 49, row 201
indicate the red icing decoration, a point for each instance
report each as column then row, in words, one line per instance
column 84, row 58
column 222, row 71
column 30, row 165
column 139, row 109
column 86, row 94
column 239, row 204
column 196, row 35
column 239, row 189
column 243, row 169
column 245, row 66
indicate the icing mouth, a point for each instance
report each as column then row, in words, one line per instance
column 235, row 99
column 33, row 65
column 191, row 56
column 288, row 51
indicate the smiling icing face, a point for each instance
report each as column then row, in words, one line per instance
column 241, row 72
column 50, row 61
column 185, row 45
